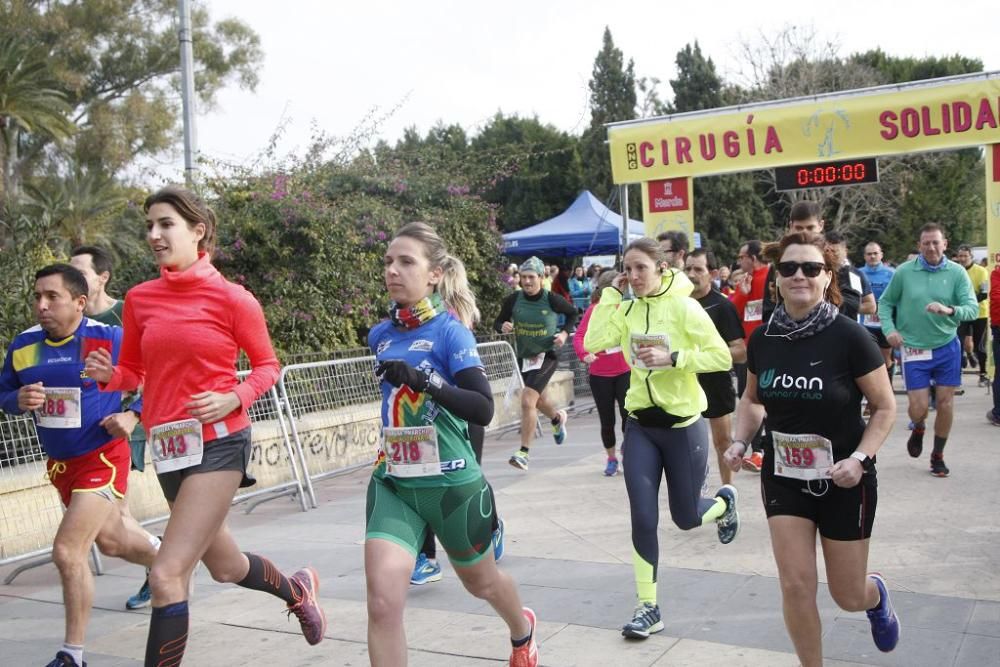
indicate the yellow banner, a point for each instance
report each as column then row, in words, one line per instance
column 867, row 125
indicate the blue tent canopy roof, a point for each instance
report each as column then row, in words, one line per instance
column 587, row 227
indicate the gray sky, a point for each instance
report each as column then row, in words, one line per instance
column 331, row 63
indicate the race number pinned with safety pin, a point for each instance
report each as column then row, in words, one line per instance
column 804, row 456
column 176, row 445
column 61, row 408
column 411, row 451
column 532, row 363
column 754, row 311
column 916, row 354
column 638, row 341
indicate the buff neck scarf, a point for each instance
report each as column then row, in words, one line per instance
column 931, row 267
column 421, row 312
column 819, row 318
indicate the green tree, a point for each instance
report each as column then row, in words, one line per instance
column 32, row 105
column 540, row 172
column 116, row 62
column 727, row 208
column 612, row 98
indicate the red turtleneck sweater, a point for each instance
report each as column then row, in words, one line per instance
column 183, row 332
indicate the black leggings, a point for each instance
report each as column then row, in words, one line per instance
column 681, row 455
column 477, row 434
column 607, row 391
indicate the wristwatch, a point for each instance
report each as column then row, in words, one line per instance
column 866, row 461
column 673, row 358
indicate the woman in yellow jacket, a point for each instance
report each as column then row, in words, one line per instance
column 667, row 338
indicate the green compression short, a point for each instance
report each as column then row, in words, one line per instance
column 460, row 516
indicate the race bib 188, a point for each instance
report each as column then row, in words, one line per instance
column 61, row 408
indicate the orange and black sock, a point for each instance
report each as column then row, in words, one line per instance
column 264, row 575
column 168, row 631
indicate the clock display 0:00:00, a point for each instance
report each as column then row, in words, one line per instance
column 853, row 172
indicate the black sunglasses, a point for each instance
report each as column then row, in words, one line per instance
column 809, row 269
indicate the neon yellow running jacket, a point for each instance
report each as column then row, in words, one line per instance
column 690, row 331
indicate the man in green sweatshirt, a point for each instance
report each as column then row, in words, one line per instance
column 920, row 311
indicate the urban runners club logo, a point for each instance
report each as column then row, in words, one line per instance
column 783, row 385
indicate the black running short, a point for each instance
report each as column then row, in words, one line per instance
column 229, row 453
column 719, row 391
column 539, row 379
column 840, row 514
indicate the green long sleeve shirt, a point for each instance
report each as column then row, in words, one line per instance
column 903, row 305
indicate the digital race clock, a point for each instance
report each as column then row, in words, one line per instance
column 826, row 174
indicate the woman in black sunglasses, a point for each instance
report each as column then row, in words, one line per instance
column 808, row 369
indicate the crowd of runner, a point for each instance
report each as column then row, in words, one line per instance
column 784, row 362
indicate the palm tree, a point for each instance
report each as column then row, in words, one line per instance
column 30, row 104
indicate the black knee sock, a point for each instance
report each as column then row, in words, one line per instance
column 168, row 631
column 981, row 358
column 939, row 444
column 430, row 544
column 264, row 575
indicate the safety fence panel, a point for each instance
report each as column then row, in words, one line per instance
column 504, row 374
column 30, row 510
column 583, row 401
column 334, row 415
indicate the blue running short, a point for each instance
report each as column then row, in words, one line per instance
column 944, row 368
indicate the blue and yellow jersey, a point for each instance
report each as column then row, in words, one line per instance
column 443, row 345
column 34, row 357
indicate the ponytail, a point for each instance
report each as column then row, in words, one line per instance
column 455, row 291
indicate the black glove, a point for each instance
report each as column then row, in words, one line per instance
column 397, row 372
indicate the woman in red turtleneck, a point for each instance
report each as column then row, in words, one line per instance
column 183, row 333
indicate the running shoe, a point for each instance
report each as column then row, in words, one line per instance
column 728, row 525
column 143, row 597
column 498, row 541
column 883, row 619
column 915, row 443
column 984, row 380
column 992, row 418
column 754, row 462
column 520, row 459
column 938, row 468
column 526, row 655
column 611, row 469
column 64, row 659
column 425, row 571
column 307, row 609
column 645, row 621
column 559, row 427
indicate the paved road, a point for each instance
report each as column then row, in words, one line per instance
column 937, row 541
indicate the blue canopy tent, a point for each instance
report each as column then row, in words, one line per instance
column 587, row 227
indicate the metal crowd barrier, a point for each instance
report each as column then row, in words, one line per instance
column 22, row 467
column 333, row 408
column 322, row 419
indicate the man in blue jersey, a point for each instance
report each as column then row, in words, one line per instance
column 95, row 264
column 878, row 275
column 88, row 466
